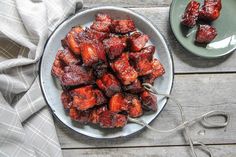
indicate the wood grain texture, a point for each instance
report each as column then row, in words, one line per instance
column 218, row 151
column 127, row 3
column 198, row 94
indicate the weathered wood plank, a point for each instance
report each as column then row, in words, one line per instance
column 127, row 3
column 184, row 61
column 198, row 94
column 218, row 151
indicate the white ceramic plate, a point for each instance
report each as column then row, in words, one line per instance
column 52, row 90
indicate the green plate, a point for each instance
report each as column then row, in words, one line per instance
column 225, row 41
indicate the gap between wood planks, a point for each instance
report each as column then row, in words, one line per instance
column 127, row 4
column 205, row 73
column 129, row 7
column 152, row 146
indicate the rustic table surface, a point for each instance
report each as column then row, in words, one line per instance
column 200, row 85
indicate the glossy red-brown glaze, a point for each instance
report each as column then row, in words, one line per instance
column 205, row 34
column 101, row 70
column 191, row 14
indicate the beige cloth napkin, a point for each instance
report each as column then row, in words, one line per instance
column 26, row 125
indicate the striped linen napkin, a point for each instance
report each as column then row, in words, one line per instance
column 26, row 125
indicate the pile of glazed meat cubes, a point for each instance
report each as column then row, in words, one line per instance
column 209, row 12
column 101, row 70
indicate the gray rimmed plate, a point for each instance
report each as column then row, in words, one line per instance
column 52, row 90
column 225, row 41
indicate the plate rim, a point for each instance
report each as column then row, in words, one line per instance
column 162, row 38
column 189, row 50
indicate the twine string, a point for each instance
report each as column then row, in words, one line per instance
column 185, row 124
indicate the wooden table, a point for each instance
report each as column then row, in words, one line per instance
column 200, row 85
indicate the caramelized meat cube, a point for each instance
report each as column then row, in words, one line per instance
column 87, row 97
column 142, row 60
column 143, row 67
column 77, row 75
column 118, row 103
column 158, row 70
column 101, row 26
column 124, row 70
column 137, row 43
column 191, row 14
column 95, row 35
column 66, row 99
column 58, row 66
column 88, row 116
column 90, row 35
column 92, row 52
column 103, row 17
column 108, row 119
column 91, row 48
column 80, row 116
column 205, row 34
column 123, row 26
column 70, row 40
column 114, row 46
column 95, row 114
column 149, row 101
column 210, row 11
column 134, row 106
column 146, row 52
column 83, row 117
column 109, row 84
column 68, row 57
column 99, row 69
column 134, row 87
column 102, row 23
